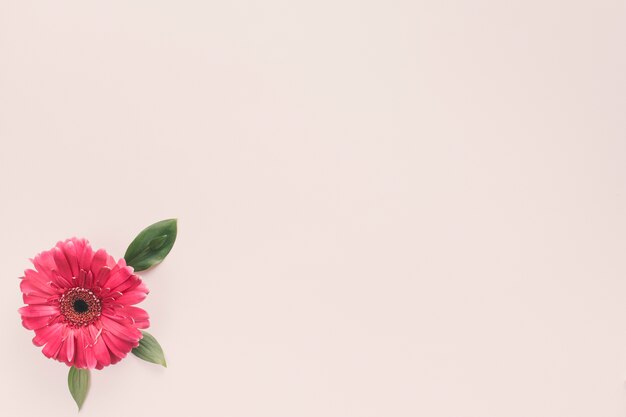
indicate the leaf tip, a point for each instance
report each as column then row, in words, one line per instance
column 79, row 381
column 150, row 350
column 173, row 221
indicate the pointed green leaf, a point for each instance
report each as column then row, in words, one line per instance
column 152, row 245
column 78, row 380
column 150, row 350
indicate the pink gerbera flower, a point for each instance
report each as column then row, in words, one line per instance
column 81, row 305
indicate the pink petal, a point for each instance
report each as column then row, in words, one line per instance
column 99, row 260
column 90, row 354
column 128, row 333
column 61, row 281
column 62, row 354
column 118, row 277
column 34, row 323
column 45, row 334
column 71, row 255
column 63, row 267
column 102, row 276
column 132, row 297
column 138, row 315
column 32, row 283
column 85, row 257
column 51, row 349
column 100, row 350
column 69, row 346
column 44, row 262
column 130, row 284
column 37, row 277
column 89, row 281
column 118, row 348
column 38, row 298
column 39, row 310
column 79, row 351
column 80, row 278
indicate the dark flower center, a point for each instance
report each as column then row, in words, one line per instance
column 80, row 307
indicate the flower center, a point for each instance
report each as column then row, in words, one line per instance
column 80, row 307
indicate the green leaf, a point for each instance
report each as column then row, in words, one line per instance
column 78, row 380
column 150, row 350
column 152, row 245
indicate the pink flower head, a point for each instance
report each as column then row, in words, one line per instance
column 81, row 305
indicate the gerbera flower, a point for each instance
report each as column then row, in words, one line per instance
column 80, row 304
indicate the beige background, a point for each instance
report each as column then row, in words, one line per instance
column 387, row 208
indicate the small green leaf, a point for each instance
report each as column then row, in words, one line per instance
column 150, row 350
column 78, row 380
column 152, row 245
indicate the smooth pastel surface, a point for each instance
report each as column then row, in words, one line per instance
column 392, row 208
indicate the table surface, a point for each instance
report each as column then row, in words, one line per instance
column 398, row 208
